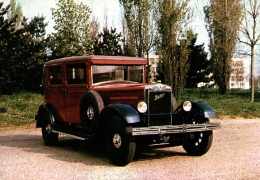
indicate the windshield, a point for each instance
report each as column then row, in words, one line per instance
column 103, row 73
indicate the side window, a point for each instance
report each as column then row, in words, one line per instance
column 76, row 73
column 55, row 75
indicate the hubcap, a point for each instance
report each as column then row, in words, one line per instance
column 117, row 141
column 90, row 113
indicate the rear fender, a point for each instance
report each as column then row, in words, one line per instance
column 126, row 112
column 44, row 114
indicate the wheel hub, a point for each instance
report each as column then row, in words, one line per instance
column 117, row 141
column 48, row 128
column 90, row 113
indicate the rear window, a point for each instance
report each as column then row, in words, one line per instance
column 55, row 75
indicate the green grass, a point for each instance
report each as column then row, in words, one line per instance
column 236, row 103
column 19, row 109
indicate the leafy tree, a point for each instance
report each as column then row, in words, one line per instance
column 173, row 42
column 200, row 66
column 249, row 35
column 108, row 43
column 223, row 19
column 21, row 52
column 72, row 27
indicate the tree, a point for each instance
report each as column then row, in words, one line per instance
column 138, row 21
column 223, row 18
column 72, row 28
column 173, row 42
column 15, row 11
column 249, row 35
column 201, row 66
column 108, row 43
column 22, row 52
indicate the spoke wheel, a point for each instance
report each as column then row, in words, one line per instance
column 198, row 143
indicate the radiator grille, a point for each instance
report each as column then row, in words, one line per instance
column 159, row 108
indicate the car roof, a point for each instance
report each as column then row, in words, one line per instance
column 101, row 60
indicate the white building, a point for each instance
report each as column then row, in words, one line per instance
column 239, row 77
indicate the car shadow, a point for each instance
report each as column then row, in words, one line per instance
column 77, row 151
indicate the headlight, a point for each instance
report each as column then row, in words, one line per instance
column 142, row 107
column 187, row 106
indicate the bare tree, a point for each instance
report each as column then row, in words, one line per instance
column 138, row 22
column 248, row 33
column 94, row 27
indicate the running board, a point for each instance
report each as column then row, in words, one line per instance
column 73, row 135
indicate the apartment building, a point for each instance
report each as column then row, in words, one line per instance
column 239, row 77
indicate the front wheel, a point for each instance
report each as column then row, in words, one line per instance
column 199, row 143
column 120, row 144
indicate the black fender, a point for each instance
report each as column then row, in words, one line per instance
column 203, row 109
column 126, row 112
column 43, row 111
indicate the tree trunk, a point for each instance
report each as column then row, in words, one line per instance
column 252, row 74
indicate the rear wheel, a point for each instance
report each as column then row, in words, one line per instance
column 49, row 138
column 119, row 143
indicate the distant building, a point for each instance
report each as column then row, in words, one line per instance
column 239, row 77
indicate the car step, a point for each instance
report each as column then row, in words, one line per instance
column 82, row 137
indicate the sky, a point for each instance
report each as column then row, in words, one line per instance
column 31, row 8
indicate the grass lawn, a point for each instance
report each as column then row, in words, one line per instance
column 20, row 109
column 234, row 104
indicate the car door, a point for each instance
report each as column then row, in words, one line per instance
column 76, row 86
column 55, row 91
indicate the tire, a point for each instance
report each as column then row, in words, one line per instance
column 91, row 105
column 49, row 138
column 199, row 143
column 119, row 143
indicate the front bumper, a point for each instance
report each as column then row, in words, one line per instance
column 172, row 129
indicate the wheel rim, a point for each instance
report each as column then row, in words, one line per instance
column 199, row 139
column 48, row 129
column 90, row 113
column 117, row 141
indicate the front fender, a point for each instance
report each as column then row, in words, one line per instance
column 126, row 112
column 204, row 109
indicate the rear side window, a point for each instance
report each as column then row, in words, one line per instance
column 76, row 73
column 55, row 75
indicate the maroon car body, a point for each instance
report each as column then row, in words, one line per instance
column 106, row 97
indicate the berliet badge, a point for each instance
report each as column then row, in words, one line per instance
column 159, row 96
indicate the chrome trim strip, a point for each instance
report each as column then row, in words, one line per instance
column 172, row 129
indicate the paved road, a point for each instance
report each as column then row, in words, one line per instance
column 235, row 154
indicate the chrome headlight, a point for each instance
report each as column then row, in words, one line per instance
column 186, row 105
column 142, row 107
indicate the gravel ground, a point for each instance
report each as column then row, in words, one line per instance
column 235, row 154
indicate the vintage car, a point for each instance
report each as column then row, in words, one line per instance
column 107, row 99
